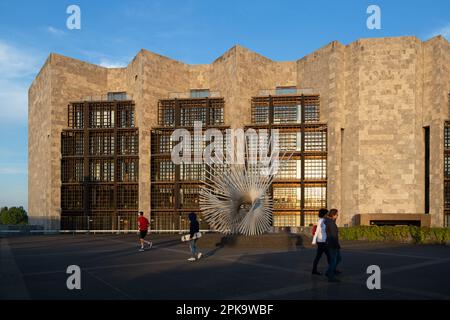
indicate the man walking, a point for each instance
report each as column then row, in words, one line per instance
column 143, row 229
column 194, row 227
column 320, row 239
column 333, row 245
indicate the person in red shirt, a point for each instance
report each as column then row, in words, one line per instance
column 143, row 229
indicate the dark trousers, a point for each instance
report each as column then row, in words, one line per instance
column 335, row 258
column 321, row 248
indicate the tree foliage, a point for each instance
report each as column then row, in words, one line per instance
column 13, row 216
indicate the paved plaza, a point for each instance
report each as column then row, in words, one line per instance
column 34, row 267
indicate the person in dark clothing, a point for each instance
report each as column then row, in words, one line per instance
column 194, row 227
column 333, row 245
column 320, row 239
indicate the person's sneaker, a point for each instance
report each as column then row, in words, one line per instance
column 337, row 272
column 150, row 244
column 199, row 255
column 317, row 273
column 141, row 249
column 191, row 259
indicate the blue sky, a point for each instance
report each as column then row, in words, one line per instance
column 112, row 32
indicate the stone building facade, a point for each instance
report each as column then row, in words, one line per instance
column 379, row 98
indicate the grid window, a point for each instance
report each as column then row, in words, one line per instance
column 101, row 170
column 168, row 116
column 286, row 220
column 315, row 196
column 200, row 93
column 164, row 144
column 285, row 90
column 189, row 196
column 191, row 114
column 72, row 143
column 311, row 113
column 75, row 116
column 447, row 166
column 101, row 116
column 101, row 143
column 127, row 197
column 126, row 116
column 117, row 96
column 128, row 170
column 102, row 197
column 128, row 143
column 216, row 114
column 447, row 219
column 72, row 170
column 286, row 197
column 287, row 114
column 290, row 141
column 190, row 172
column 163, row 170
column 288, row 170
column 447, row 136
column 260, row 114
column 315, row 141
column 162, row 197
column 310, row 219
column 447, row 194
column 72, row 197
column 315, row 169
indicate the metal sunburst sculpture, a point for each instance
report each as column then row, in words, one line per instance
column 235, row 198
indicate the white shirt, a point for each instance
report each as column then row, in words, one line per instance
column 321, row 232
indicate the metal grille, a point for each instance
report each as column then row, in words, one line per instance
column 101, row 196
column 101, row 143
column 189, row 196
column 72, row 170
column 101, row 115
column 286, row 220
column 75, row 116
column 162, row 196
column 316, row 168
column 72, row 143
column 128, row 169
column 184, row 112
column 286, row 198
column 72, row 197
column 163, row 169
column 175, row 188
column 128, row 142
column 315, row 196
column 127, row 196
column 101, row 170
column 99, row 165
column 192, row 172
column 289, row 169
column 315, row 139
column 299, row 187
column 446, row 172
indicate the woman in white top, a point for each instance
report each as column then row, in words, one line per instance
column 320, row 239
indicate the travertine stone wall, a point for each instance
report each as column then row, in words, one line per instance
column 376, row 96
column 61, row 80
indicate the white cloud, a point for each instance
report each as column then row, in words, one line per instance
column 17, row 68
column 444, row 31
column 13, row 170
column 16, row 63
column 14, row 97
column 107, row 63
column 54, row 31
